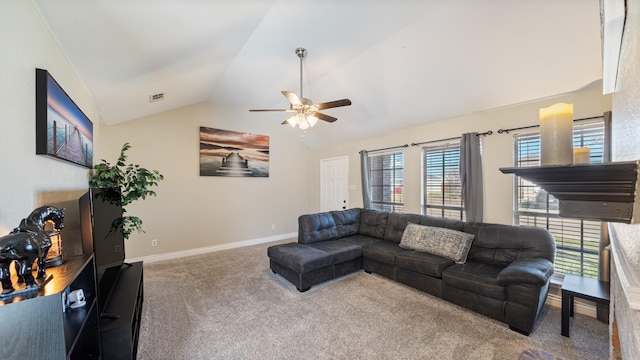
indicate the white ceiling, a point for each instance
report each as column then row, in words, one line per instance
column 401, row 63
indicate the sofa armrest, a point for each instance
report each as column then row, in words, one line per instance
column 529, row 271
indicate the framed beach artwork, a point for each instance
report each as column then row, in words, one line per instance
column 232, row 153
column 63, row 131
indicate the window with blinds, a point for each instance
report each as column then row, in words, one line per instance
column 386, row 174
column 577, row 240
column 442, row 191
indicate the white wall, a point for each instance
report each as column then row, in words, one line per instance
column 190, row 211
column 497, row 149
column 193, row 211
column 28, row 180
column 626, row 147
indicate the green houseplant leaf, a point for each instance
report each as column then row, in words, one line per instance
column 133, row 183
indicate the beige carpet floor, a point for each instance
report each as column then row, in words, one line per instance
column 229, row 305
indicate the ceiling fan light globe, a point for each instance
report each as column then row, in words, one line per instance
column 304, row 126
column 312, row 120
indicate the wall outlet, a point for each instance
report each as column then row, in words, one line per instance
column 117, row 248
column 273, row 227
column 154, row 242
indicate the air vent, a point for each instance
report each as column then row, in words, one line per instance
column 156, row 97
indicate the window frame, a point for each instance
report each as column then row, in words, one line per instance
column 577, row 240
column 447, row 164
column 390, row 181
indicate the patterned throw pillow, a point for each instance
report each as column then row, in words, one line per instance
column 450, row 244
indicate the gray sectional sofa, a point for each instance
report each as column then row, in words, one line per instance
column 500, row 271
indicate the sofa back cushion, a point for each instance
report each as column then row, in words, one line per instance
column 316, row 227
column 396, row 223
column 347, row 222
column 502, row 244
column 429, row 220
column 373, row 223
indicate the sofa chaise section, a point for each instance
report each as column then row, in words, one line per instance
column 317, row 256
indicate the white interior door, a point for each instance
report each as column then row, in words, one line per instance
column 334, row 183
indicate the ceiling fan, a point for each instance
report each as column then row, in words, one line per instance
column 305, row 113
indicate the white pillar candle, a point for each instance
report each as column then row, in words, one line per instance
column 581, row 155
column 556, row 134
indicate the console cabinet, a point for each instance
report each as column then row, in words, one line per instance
column 37, row 325
column 120, row 320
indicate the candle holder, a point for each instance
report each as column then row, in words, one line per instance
column 556, row 134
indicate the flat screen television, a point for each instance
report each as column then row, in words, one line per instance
column 99, row 238
column 63, row 131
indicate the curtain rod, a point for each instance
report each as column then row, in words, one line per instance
column 453, row 138
column 535, row 126
column 388, row 148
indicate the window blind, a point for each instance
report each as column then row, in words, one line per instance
column 441, row 187
column 577, row 240
column 387, row 181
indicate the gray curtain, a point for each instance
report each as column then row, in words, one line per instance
column 366, row 188
column 471, row 176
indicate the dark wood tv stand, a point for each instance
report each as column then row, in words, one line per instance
column 37, row 325
column 121, row 313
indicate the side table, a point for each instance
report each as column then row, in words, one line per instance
column 585, row 288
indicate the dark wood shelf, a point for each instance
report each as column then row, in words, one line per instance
column 120, row 334
column 604, row 192
column 37, row 325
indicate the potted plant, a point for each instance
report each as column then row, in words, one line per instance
column 123, row 184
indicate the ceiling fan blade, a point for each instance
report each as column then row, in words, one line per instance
column 333, row 104
column 292, row 97
column 258, row 110
column 324, row 117
column 286, row 121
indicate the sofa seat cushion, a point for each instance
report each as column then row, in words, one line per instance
column 298, row 257
column 340, row 251
column 383, row 251
column 423, row 263
column 475, row 277
column 360, row 240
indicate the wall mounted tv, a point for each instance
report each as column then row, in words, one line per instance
column 63, row 131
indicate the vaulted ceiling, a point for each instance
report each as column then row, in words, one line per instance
column 401, row 63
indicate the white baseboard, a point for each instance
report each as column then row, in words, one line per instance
column 579, row 306
column 208, row 249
